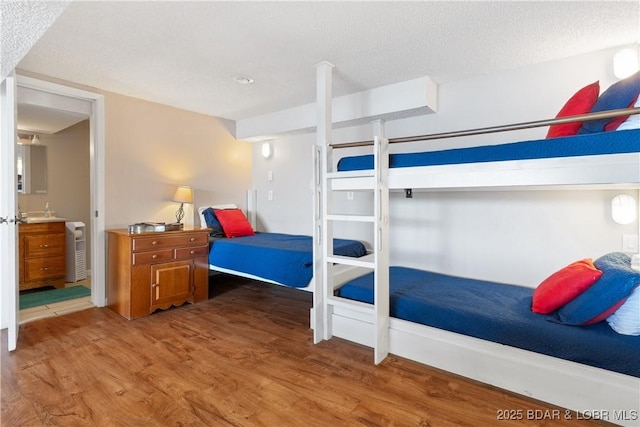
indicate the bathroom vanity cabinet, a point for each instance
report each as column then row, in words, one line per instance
column 151, row 271
column 41, row 254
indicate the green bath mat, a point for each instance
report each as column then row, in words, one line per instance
column 55, row 295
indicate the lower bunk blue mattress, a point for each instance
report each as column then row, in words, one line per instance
column 616, row 142
column 283, row 258
column 499, row 313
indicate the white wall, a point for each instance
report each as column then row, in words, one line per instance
column 512, row 237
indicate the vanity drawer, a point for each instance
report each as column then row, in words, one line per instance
column 44, row 245
column 44, row 268
column 159, row 242
column 186, row 253
column 42, row 227
column 152, row 256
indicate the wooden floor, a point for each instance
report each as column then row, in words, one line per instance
column 245, row 357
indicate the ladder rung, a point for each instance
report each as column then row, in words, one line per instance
column 350, row 174
column 356, row 262
column 351, row 304
column 354, row 218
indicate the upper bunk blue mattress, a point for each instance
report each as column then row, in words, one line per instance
column 283, row 258
column 499, row 313
column 624, row 141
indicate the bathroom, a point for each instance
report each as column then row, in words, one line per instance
column 60, row 179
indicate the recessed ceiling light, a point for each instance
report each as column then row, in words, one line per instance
column 243, row 80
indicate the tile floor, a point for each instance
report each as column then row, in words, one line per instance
column 58, row 308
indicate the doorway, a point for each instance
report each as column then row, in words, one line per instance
column 53, row 166
column 67, row 103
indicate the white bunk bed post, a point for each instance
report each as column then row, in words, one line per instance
column 381, row 243
column 323, row 284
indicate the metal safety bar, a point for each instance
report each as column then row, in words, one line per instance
column 503, row 128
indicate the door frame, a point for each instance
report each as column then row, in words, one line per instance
column 97, row 172
column 9, row 287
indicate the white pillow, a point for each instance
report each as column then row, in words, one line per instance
column 633, row 122
column 626, row 319
column 203, row 222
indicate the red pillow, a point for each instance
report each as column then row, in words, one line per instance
column 564, row 285
column 580, row 103
column 234, row 223
column 615, row 123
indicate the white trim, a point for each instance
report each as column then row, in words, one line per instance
column 567, row 384
column 9, row 288
column 97, row 172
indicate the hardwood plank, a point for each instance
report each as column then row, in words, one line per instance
column 244, row 357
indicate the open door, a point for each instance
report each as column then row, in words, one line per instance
column 8, row 226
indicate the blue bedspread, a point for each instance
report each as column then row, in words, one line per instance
column 624, row 141
column 284, row 258
column 499, row 313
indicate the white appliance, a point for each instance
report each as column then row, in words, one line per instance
column 76, row 251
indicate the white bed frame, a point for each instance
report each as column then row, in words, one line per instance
column 567, row 384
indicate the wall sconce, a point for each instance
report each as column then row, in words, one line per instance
column 267, row 150
column 35, row 139
column 623, row 209
column 184, row 194
column 625, row 62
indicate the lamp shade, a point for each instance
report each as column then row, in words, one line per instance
column 184, row 194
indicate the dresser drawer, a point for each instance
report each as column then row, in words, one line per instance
column 44, row 245
column 186, row 253
column 160, row 242
column 43, row 268
column 152, row 256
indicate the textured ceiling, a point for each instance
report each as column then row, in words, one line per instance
column 21, row 24
column 185, row 53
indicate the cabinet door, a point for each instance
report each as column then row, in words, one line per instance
column 171, row 284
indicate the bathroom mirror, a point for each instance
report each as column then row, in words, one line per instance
column 31, row 167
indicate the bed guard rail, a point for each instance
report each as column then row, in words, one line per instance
column 503, row 128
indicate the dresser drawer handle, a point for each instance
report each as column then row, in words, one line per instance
column 192, row 252
column 193, row 239
column 154, row 243
column 45, row 268
column 154, row 256
column 44, row 246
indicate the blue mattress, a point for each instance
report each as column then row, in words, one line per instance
column 625, row 141
column 499, row 313
column 283, row 258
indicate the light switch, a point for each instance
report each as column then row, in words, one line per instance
column 270, row 195
column 630, row 243
column 270, row 175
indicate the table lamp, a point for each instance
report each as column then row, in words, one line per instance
column 184, row 194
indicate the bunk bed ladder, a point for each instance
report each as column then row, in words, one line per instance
column 381, row 244
column 324, row 260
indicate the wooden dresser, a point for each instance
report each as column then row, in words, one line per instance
column 42, row 254
column 151, row 271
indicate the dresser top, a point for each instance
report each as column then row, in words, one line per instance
column 125, row 232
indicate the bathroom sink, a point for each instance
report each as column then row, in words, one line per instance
column 32, row 219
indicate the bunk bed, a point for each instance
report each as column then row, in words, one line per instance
column 367, row 311
column 277, row 258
